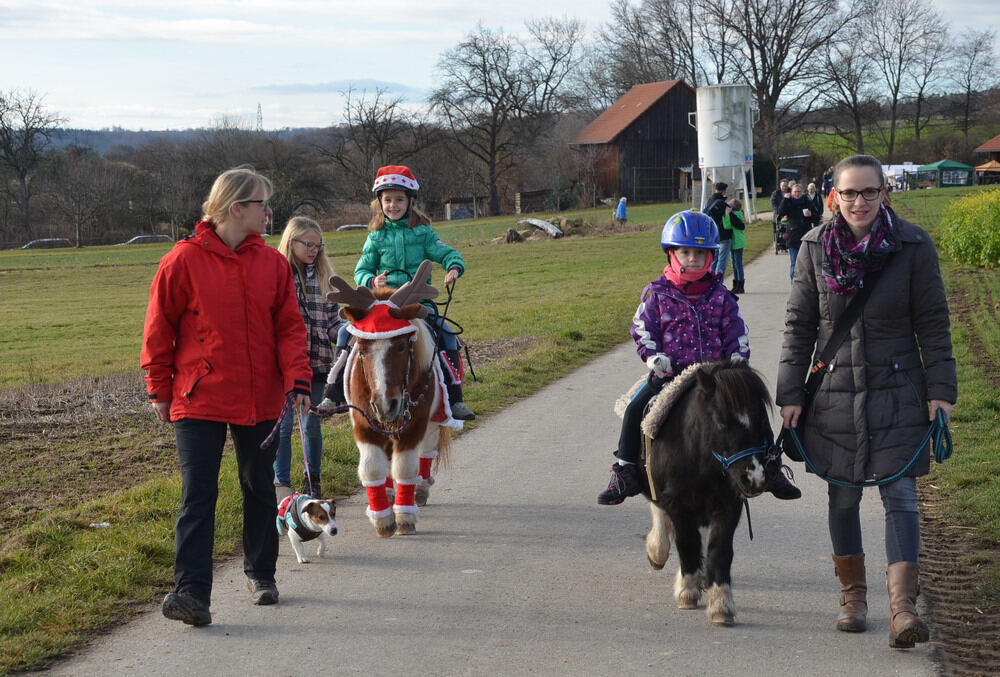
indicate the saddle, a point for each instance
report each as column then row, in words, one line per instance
column 656, row 411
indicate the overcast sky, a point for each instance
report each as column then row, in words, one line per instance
column 174, row 64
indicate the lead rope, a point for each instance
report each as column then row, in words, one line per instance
column 746, row 504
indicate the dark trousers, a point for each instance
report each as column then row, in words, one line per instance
column 199, row 451
column 631, row 436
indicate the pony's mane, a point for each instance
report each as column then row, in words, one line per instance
column 739, row 384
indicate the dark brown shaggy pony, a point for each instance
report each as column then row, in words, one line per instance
column 723, row 411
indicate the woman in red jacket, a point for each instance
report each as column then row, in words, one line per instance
column 222, row 345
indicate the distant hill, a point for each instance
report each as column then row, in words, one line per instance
column 102, row 140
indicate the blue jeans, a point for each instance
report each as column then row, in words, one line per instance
column 313, row 435
column 902, row 521
column 199, row 452
column 722, row 257
column 793, row 253
column 737, row 264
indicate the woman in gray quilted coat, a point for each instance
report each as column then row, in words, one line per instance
column 889, row 378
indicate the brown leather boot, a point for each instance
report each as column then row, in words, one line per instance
column 905, row 627
column 850, row 570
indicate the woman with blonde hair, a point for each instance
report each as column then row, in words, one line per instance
column 302, row 244
column 223, row 344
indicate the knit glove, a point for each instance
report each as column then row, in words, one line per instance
column 659, row 364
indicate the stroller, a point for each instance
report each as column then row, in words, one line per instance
column 780, row 236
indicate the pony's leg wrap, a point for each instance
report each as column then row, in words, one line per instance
column 721, row 609
column 378, row 500
column 405, row 506
column 686, row 590
column 426, row 479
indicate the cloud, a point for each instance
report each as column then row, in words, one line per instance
column 358, row 86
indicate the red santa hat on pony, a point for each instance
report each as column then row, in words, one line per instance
column 395, row 177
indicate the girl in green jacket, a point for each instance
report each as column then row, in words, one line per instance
column 400, row 237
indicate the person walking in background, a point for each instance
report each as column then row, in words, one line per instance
column 798, row 209
column 779, row 194
column 893, row 373
column 621, row 215
column 223, row 344
column 302, row 244
column 733, row 222
column 716, row 209
column 817, row 200
column 828, row 181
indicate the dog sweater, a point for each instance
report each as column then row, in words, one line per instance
column 288, row 511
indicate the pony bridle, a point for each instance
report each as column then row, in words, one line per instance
column 408, row 402
column 397, row 311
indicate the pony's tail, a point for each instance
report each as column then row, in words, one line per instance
column 443, row 448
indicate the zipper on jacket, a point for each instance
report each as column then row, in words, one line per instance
column 206, row 368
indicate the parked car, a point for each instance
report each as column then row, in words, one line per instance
column 48, row 243
column 146, row 239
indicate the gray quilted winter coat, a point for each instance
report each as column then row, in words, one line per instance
column 870, row 412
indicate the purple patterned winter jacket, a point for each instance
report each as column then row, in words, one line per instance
column 708, row 329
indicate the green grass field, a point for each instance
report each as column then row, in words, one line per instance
column 77, row 315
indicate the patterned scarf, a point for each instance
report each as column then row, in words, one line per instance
column 320, row 317
column 845, row 261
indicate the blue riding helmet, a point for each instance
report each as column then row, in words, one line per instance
column 690, row 229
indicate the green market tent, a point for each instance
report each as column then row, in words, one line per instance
column 944, row 173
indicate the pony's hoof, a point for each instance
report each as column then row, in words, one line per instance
column 406, row 523
column 387, row 531
column 656, row 565
column 421, row 494
column 406, row 529
column 685, row 603
column 723, row 619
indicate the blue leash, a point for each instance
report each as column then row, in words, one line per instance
column 937, row 435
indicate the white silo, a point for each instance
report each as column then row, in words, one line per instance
column 724, row 121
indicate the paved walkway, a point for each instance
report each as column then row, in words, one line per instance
column 517, row 571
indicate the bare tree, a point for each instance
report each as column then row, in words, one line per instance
column 848, row 87
column 377, row 130
column 498, row 94
column 84, row 187
column 926, row 74
column 901, row 29
column 776, row 52
column 25, row 128
column 974, row 71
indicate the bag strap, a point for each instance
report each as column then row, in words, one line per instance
column 840, row 332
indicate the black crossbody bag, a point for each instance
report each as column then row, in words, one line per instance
column 822, row 364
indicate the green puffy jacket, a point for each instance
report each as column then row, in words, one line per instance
column 396, row 247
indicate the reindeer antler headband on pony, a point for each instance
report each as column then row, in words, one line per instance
column 373, row 318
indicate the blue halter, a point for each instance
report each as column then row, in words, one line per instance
column 740, row 455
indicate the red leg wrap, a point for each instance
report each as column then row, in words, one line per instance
column 404, row 494
column 425, row 467
column 388, row 483
column 377, row 499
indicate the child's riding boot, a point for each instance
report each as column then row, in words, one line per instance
column 905, row 627
column 777, row 483
column 458, row 409
column 850, row 570
column 624, row 483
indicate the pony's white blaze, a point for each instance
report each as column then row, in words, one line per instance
column 380, row 384
column 744, row 419
column 755, row 472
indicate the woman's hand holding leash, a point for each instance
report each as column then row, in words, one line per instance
column 945, row 407
column 301, row 402
column 790, row 415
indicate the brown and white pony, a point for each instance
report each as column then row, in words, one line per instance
column 392, row 382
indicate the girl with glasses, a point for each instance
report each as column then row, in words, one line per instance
column 302, row 244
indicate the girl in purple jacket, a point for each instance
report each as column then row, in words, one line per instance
column 685, row 316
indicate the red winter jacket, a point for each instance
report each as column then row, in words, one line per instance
column 224, row 340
